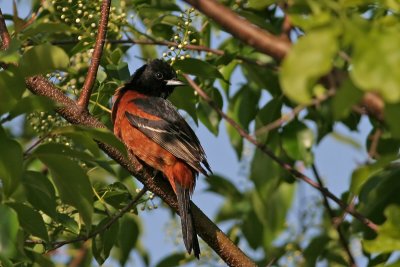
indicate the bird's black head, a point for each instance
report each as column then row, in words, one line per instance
column 156, row 78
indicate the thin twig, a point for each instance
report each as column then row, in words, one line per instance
column 119, row 214
column 372, row 152
column 5, row 36
column 291, row 115
column 199, row 48
column 328, row 207
column 38, row 142
column 282, row 163
column 84, row 97
column 279, row 122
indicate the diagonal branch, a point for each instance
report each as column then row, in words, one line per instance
column 279, row 161
column 5, row 36
column 242, row 29
column 84, row 97
column 328, row 207
column 207, row 230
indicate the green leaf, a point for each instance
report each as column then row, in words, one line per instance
column 67, row 222
column 116, row 56
column 101, row 75
column 116, row 194
column 162, row 30
column 12, row 54
column 185, row 99
column 72, row 184
column 224, row 187
column 12, row 86
column 244, row 105
column 235, row 138
column 297, row 140
column 391, row 115
column 40, row 192
column 119, row 71
column 206, row 114
column 375, row 66
column 4, row 261
column 128, row 236
column 345, row 98
column 267, row 114
column 378, row 192
column 30, row 220
column 243, row 108
column 271, row 203
column 253, row 230
column 308, row 60
column 199, row 68
column 227, row 71
column 8, row 230
column 103, row 242
column 11, row 161
column 172, row 260
column 43, row 59
column 315, row 249
column 388, row 239
column 262, row 78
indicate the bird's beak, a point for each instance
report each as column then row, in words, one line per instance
column 174, row 82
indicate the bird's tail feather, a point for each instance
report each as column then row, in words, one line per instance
column 188, row 228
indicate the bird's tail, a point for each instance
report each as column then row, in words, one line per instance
column 188, row 228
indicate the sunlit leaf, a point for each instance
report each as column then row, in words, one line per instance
column 310, row 58
column 375, row 66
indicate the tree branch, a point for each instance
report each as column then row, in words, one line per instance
column 118, row 215
column 207, row 230
column 84, row 97
column 282, row 163
column 328, row 207
column 5, row 36
column 240, row 28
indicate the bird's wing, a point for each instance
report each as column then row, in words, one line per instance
column 170, row 131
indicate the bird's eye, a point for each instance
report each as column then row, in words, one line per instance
column 159, row 75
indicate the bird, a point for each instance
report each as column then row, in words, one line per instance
column 154, row 131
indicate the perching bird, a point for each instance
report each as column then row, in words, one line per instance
column 154, row 131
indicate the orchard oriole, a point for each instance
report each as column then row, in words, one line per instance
column 154, row 131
